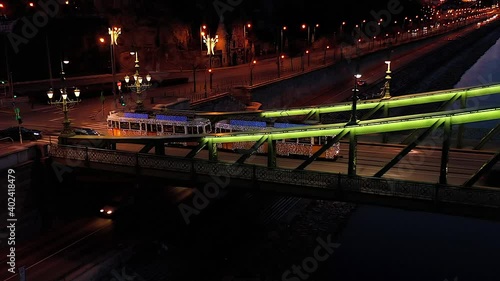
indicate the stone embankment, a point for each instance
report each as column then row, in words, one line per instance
column 442, row 68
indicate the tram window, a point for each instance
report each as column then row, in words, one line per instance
column 143, row 126
column 190, row 130
column 116, row 124
column 152, row 128
column 135, row 126
column 318, row 140
column 208, row 128
column 291, row 140
column 180, row 130
column 158, row 127
column 305, row 140
column 168, row 129
column 110, row 124
column 124, row 125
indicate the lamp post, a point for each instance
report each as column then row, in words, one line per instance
column 313, row 37
column 65, row 102
column 202, row 34
column 138, row 85
column 387, row 93
column 114, row 33
column 211, row 73
column 205, row 86
column 245, row 42
column 308, row 32
column 281, row 39
column 252, row 65
column 324, row 56
column 210, row 42
column 353, row 120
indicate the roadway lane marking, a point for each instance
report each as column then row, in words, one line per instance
column 70, row 245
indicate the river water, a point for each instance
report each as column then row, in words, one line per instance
column 388, row 244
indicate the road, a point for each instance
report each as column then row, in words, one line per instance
column 80, row 243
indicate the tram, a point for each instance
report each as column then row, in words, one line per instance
column 143, row 124
column 299, row 147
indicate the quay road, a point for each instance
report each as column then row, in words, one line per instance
column 266, row 68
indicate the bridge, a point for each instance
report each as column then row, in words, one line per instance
column 203, row 163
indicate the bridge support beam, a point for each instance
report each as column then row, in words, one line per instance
column 197, row 149
column 445, row 152
column 329, row 143
column 461, row 127
column 252, row 150
column 385, row 136
column 487, row 137
column 407, row 149
column 146, row 148
column 353, row 147
column 212, row 151
column 313, row 113
column 159, row 148
column 485, row 168
column 271, row 153
column 373, row 110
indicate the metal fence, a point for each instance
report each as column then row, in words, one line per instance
column 476, row 196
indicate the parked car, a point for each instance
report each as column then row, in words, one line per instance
column 27, row 134
column 361, row 83
column 85, row 131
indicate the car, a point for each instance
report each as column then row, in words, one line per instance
column 85, row 131
column 27, row 134
column 110, row 209
column 115, row 207
column 361, row 83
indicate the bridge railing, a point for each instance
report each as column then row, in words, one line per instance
column 477, row 196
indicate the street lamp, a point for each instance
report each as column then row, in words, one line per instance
column 308, row 31
column 202, row 34
column 138, row 85
column 252, row 65
column 387, row 93
column 353, row 120
column 324, row 56
column 211, row 73
column 114, row 33
column 313, row 36
column 245, row 42
column 210, row 42
column 281, row 39
column 65, row 103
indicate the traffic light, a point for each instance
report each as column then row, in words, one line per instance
column 122, row 101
